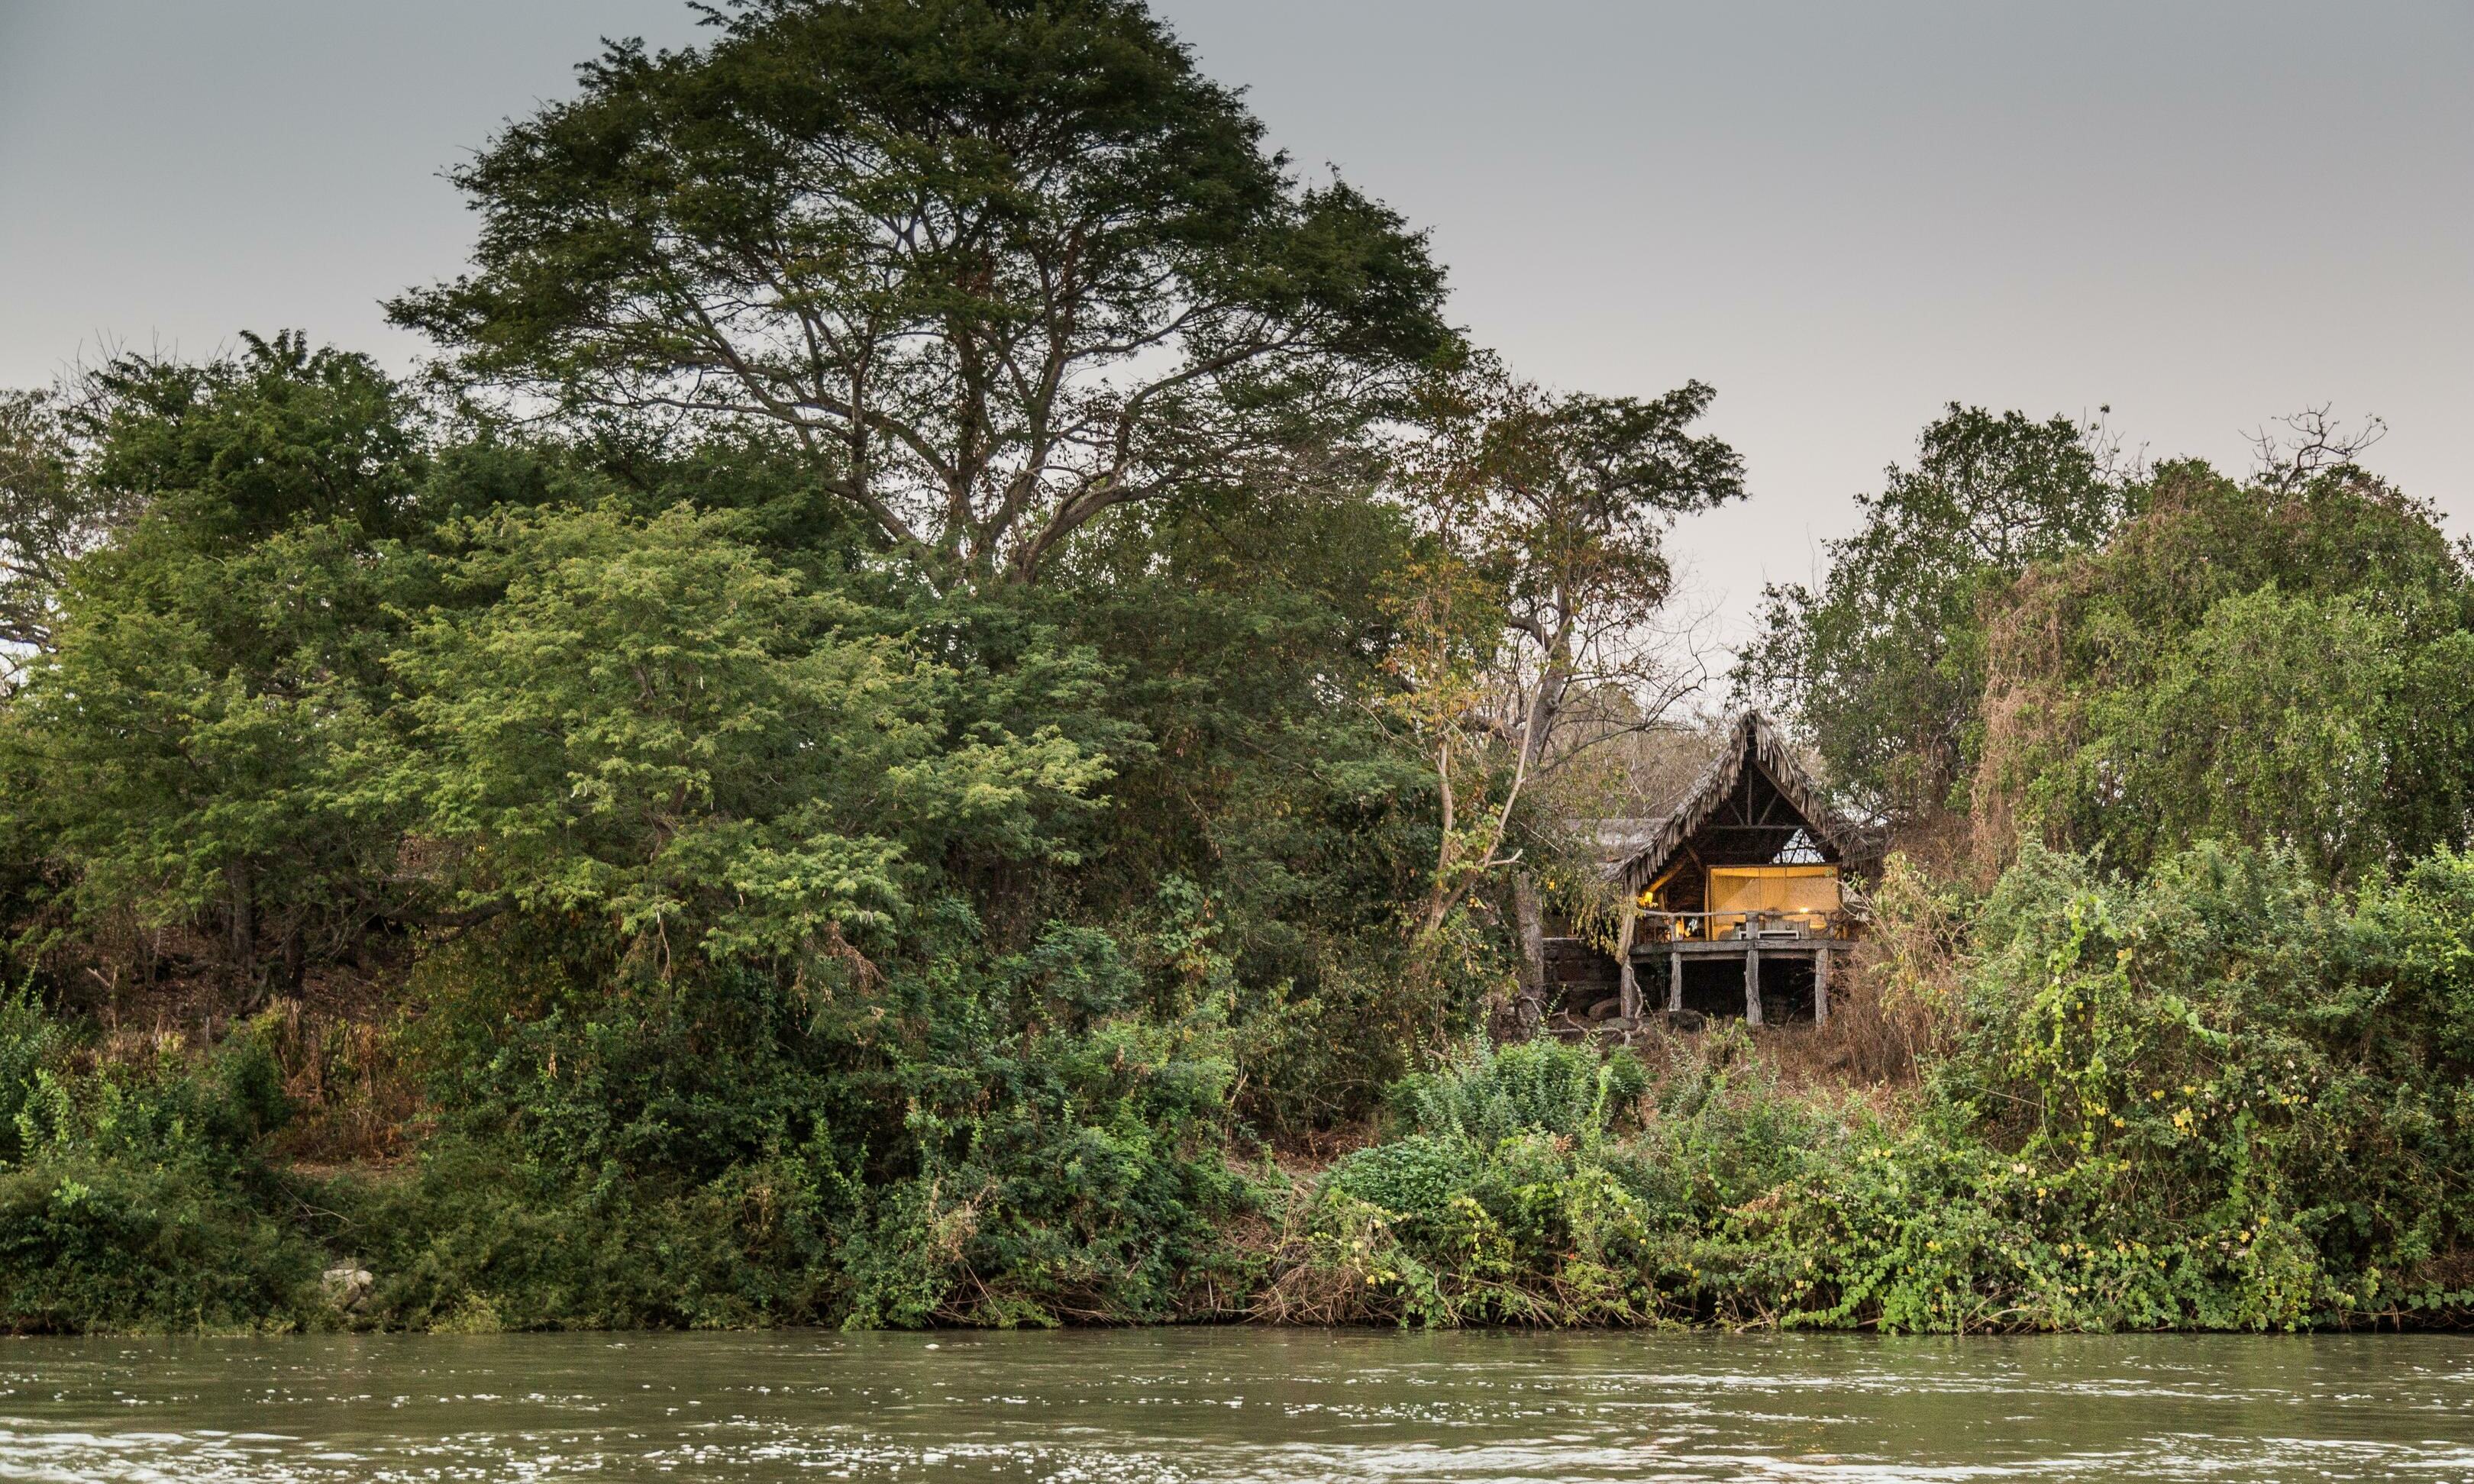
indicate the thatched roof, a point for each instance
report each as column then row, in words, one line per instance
column 1616, row 837
column 1752, row 742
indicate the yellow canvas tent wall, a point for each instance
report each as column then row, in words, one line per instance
column 1773, row 888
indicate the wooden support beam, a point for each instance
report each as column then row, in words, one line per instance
column 1674, row 978
column 1753, row 984
column 1821, row 988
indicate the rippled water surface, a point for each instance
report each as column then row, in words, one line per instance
column 1244, row 1405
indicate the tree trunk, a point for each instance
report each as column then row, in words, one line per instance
column 1626, row 983
column 1438, row 899
column 241, row 940
column 295, row 958
column 1529, row 910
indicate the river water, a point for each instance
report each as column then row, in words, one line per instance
column 1235, row 1405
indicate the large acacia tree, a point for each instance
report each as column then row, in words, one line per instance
column 996, row 266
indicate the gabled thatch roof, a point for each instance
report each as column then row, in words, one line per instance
column 1752, row 742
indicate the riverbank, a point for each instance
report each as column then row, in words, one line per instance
column 2077, row 1146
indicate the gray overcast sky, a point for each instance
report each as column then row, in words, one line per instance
column 2206, row 215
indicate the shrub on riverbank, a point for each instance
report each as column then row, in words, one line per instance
column 2217, row 1097
column 133, row 1195
column 1026, row 1146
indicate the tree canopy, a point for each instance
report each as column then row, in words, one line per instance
column 2270, row 662
column 993, row 267
column 1883, row 662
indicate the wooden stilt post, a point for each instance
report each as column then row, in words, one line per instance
column 1627, row 984
column 1821, row 988
column 1674, row 978
column 1752, row 982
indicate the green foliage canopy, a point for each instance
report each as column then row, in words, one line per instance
column 2245, row 663
column 648, row 721
column 1883, row 662
column 993, row 268
column 198, row 740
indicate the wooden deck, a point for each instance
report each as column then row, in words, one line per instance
column 1672, row 956
column 1580, row 971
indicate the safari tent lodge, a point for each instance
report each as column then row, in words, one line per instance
column 1735, row 901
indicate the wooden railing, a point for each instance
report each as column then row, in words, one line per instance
column 1779, row 926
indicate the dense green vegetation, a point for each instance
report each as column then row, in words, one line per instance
column 957, row 703
column 2211, row 1098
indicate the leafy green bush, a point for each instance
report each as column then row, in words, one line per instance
column 1510, row 1201
column 133, row 1198
column 1416, row 1175
column 1487, row 1094
column 112, row 1244
column 1071, row 1148
column 29, row 1043
column 1039, row 1138
column 2237, row 1066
